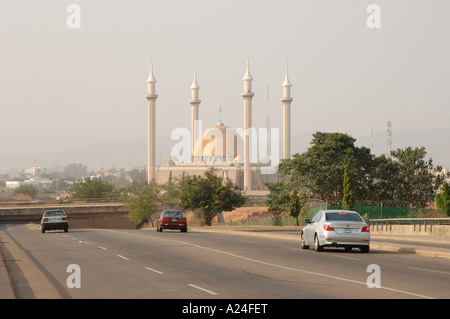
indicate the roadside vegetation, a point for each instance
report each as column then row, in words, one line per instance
column 337, row 172
column 332, row 173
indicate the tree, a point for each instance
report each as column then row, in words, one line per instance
column 405, row 177
column 415, row 181
column 211, row 194
column 296, row 203
column 321, row 167
column 278, row 199
column 27, row 189
column 348, row 201
column 93, row 188
column 171, row 191
column 443, row 199
column 140, row 200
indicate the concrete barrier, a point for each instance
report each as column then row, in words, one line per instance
column 410, row 230
column 82, row 215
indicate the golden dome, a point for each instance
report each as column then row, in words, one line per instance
column 219, row 143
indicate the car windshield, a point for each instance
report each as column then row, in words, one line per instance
column 174, row 213
column 343, row 216
column 55, row 213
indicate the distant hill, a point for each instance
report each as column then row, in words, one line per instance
column 133, row 153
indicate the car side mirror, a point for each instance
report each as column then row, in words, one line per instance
column 307, row 221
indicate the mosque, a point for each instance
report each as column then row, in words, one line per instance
column 227, row 151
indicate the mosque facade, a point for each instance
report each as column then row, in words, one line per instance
column 226, row 151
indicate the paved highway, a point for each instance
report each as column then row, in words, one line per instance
column 147, row 264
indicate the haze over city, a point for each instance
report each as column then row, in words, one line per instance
column 67, row 89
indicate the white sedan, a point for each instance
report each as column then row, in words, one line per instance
column 336, row 228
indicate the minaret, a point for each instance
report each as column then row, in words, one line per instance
column 195, row 102
column 286, row 99
column 151, row 99
column 247, row 95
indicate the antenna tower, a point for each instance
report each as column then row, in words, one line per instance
column 389, row 139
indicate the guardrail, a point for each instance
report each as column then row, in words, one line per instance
column 411, row 221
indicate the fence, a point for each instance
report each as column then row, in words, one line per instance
column 370, row 210
column 411, row 221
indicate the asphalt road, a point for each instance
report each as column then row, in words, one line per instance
column 147, row 264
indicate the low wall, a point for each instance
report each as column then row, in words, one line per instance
column 113, row 216
column 410, row 230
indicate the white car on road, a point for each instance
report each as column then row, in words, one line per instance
column 336, row 228
column 54, row 219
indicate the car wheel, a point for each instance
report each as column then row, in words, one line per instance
column 348, row 249
column 42, row 229
column 317, row 245
column 304, row 246
column 183, row 230
column 365, row 249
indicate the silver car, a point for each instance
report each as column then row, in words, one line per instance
column 336, row 228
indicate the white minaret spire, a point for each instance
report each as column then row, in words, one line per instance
column 151, row 100
column 195, row 102
column 286, row 99
column 247, row 95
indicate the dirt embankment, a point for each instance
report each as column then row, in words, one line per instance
column 245, row 213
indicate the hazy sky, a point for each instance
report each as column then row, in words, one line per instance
column 62, row 87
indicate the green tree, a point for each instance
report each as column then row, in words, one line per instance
column 278, row 199
column 140, row 200
column 348, row 201
column 443, row 199
column 93, row 188
column 296, row 203
column 171, row 191
column 211, row 194
column 415, row 182
column 320, row 169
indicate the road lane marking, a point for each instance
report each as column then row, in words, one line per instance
column 429, row 270
column 123, row 257
column 203, row 289
column 154, row 270
column 101, row 247
column 273, row 265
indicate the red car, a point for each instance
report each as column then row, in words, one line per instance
column 172, row 219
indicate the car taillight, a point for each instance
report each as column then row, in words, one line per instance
column 328, row 227
column 45, row 219
column 365, row 229
column 182, row 220
column 64, row 218
column 165, row 219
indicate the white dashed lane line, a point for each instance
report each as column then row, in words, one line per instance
column 154, row 270
column 203, row 289
column 125, row 258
